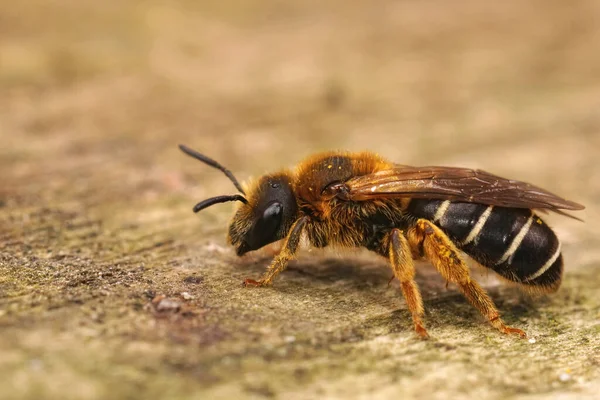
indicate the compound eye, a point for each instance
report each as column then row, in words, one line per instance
column 268, row 224
column 273, row 212
column 265, row 229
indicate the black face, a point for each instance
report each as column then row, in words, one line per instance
column 272, row 216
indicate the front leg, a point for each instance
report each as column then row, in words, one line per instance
column 288, row 252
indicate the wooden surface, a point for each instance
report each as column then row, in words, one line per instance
column 110, row 287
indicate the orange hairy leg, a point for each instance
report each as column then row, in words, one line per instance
column 404, row 269
column 444, row 256
column 280, row 262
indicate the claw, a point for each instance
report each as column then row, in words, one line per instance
column 498, row 324
column 250, row 282
column 421, row 331
column 259, row 283
column 391, row 279
column 509, row 331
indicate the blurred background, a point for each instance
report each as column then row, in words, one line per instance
column 95, row 97
column 256, row 83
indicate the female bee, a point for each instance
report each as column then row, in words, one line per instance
column 402, row 213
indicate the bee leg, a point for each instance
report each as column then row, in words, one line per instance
column 444, row 255
column 404, row 269
column 288, row 252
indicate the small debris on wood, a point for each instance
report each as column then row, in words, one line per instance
column 162, row 304
column 187, row 296
column 214, row 247
column 193, row 279
column 564, row 377
column 289, row 339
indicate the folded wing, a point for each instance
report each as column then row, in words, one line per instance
column 459, row 184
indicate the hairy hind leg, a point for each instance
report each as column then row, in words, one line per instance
column 427, row 238
column 404, row 269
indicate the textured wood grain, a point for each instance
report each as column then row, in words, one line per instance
column 110, row 287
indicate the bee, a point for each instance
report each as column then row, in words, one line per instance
column 402, row 213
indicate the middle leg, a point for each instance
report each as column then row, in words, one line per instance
column 404, row 270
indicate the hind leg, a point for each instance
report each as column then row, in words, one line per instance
column 426, row 238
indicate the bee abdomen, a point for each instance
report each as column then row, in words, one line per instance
column 514, row 242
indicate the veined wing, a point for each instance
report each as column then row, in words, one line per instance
column 459, row 184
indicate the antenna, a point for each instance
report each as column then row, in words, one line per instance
column 214, row 164
column 219, row 199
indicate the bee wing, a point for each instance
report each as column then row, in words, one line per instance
column 451, row 183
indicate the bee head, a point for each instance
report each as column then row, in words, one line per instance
column 266, row 213
column 266, row 217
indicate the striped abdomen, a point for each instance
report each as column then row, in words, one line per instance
column 514, row 242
